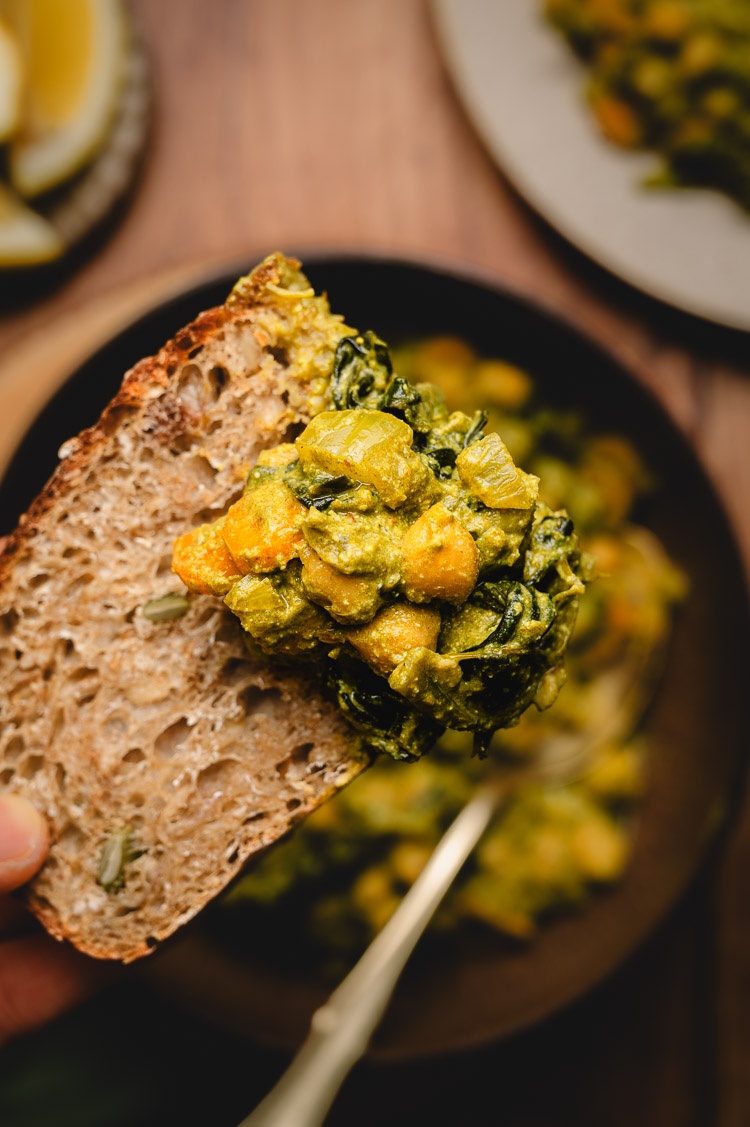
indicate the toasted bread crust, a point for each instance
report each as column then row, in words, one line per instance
column 153, row 372
column 171, row 730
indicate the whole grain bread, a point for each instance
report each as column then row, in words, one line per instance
column 168, row 734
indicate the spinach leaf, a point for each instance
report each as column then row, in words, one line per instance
column 504, row 686
column 422, row 406
column 523, row 614
column 552, row 541
column 497, row 615
column 315, row 490
column 479, row 692
column 387, row 720
column 361, row 372
column 403, row 400
column 447, row 438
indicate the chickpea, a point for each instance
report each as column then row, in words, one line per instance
column 409, row 858
column 502, row 384
column 348, row 598
column 600, row 849
column 668, row 21
column 371, row 887
column 401, row 627
column 441, row 560
column 700, row 52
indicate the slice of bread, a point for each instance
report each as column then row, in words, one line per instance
column 167, row 737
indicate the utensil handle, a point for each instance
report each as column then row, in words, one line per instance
column 341, row 1029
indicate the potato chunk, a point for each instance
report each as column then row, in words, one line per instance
column 371, row 447
column 262, row 529
column 401, row 627
column 440, row 558
column 487, row 470
column 202, row 561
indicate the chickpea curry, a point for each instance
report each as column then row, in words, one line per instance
column 398, row 546
column 340, row 876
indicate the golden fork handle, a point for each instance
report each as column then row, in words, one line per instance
column 341, row 1029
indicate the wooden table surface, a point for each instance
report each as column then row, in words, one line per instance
column 332, row 123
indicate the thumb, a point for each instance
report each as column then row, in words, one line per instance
column 24, row 840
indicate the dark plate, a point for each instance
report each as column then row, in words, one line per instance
column 483, row 989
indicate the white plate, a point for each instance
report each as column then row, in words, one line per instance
column 523, row 88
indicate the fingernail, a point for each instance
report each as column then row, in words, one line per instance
column 20, row 828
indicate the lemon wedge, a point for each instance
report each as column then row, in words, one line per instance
column 10, row 83
column 74, row 54
column 25, row 237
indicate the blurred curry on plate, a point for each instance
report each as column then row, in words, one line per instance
column 672, row 76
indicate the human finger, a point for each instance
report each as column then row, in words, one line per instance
column 24, row 840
